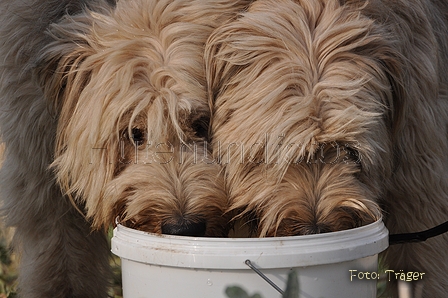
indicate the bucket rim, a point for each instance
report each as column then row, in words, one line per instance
column 231, row 253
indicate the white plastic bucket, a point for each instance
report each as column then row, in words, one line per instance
column 163, row 266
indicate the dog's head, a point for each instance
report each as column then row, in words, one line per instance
column 127, row 84
column 302, row 96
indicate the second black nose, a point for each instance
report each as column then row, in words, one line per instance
column 183, row 227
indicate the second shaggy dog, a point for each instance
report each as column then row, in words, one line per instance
column 326, row 115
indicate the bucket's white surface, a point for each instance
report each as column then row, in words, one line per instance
column 162, row 266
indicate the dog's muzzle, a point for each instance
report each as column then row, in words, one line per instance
column 183, row 227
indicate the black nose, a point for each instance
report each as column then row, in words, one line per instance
column 184, row 227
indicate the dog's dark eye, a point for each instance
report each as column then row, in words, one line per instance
column 137, row 136
column 200, row 127
column 352, row 155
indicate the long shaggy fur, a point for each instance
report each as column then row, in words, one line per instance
column 147, row 75
column 326, row 114
column 103, row 106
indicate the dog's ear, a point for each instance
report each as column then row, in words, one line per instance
column 218, row 61
column 56, row 64
column 392, row 69
column 56, row 69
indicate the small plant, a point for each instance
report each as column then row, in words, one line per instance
column 292, row 289
column 237, row 292
column 8, row 273
column 115, row 290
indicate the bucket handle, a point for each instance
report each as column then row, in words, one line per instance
column 251, row 266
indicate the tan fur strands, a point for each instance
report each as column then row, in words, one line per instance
column 312, row 93
column 127, row 70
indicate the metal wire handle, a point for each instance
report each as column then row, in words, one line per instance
column 251, row 266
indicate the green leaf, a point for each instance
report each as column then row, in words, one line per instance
column 236, row 292
column 292, row 286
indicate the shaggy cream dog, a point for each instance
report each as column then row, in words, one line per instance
column 327, row 113
column 103, row 110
